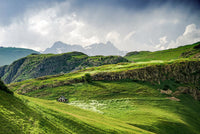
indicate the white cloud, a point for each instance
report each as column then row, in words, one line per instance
column 129, row 35
column 190, row 35
column 40, row 28
column 162, row 43
column 189, row 29
column 113, row 37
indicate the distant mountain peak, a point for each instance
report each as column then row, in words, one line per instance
column 106, row 49
column 59, row 44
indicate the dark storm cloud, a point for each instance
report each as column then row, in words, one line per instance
column 129, row 24
column 9, row 9
column 193, row 5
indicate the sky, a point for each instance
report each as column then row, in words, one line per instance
column 131, row 25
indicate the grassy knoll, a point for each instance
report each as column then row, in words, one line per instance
column 187, row 51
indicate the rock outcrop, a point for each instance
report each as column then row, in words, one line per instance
column 182, row 72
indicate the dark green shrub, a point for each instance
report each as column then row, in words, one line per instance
column 87, row 77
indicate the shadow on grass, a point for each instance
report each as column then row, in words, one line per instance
column 93, row 83
column 166, row 127
column 24, row 119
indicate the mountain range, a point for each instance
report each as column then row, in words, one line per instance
column 91, row 50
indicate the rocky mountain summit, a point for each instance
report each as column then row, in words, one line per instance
column 91, row 50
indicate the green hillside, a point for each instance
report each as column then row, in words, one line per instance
column 20, row 114
column 34, row 66
column 188, row 51
column 135, row 100
column 10, row 54
column 160, row 95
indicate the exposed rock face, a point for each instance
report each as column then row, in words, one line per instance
column 166, row 91
column 187, row 72
column 183, row 72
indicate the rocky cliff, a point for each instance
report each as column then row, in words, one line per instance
column 183, row 72
column 187, row 73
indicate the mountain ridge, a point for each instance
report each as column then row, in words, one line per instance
column 91, row 50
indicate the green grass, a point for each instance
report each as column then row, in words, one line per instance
column 20, row 114
column 132, row 103
column 164, row 55
column 124, row 106
column 63, row 79
column 34, row 66
column 96, row 90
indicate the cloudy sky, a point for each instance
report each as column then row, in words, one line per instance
column 129, row 24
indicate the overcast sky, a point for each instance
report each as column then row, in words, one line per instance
column 129, row 24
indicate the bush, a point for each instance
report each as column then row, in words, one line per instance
column 87, row 77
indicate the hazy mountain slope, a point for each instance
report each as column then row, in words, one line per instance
column 34, row 66
column 60, row 47
column 103, row 49
column 134, row 99
column 188, row 51
column 91, row 50
column 10, row 54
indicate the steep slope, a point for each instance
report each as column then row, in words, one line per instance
column 91, row 50
column 34, row 66
column 188, row 51
column 134, row 99
column 10, row 54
